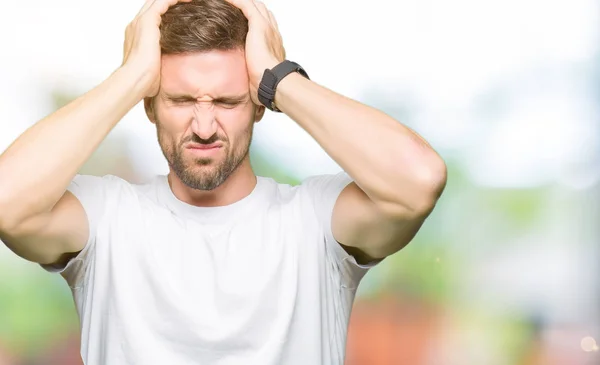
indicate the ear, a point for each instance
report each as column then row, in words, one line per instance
column 259, row 113
column 149, row 107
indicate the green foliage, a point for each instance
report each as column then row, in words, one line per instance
column 39, row 306
column 520, row 208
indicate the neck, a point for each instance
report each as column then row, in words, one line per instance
column 236, row 187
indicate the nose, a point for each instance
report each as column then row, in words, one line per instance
column 204, row 124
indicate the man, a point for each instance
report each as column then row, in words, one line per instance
column 212, row 264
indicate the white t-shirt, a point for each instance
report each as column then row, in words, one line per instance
column 261, row 281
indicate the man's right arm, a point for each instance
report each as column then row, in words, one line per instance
column 39, row 219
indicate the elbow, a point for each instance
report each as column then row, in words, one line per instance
column 419, row 196
column 433, row 180
column 430, row 186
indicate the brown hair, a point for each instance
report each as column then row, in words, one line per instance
column 201, row 26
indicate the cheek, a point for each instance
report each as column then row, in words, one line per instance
column 173, row 121
column 236, row 122
column 174, row 117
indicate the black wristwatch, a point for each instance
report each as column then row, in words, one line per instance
column 272, row 77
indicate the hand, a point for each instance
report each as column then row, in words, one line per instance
column 141, row 50
column 264, row 46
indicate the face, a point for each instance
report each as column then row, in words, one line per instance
column 204, row 115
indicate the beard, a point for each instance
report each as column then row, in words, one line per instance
column 204, row 173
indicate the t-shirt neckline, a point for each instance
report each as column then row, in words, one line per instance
column 215, row 215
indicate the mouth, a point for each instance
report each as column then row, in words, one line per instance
column 204, row 147
column 204, row 151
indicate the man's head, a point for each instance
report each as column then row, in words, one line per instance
column 203, row 112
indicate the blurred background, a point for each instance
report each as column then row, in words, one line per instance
column 504, row 272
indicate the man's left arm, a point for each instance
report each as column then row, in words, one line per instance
column 398, row 177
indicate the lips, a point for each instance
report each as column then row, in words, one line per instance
column 204, row 146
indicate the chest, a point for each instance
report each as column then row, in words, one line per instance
column 186, row 279
column 209, row 266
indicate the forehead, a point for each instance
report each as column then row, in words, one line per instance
column 205, row 73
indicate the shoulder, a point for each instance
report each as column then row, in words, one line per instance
column 96, row 189
column 310, row 183
column 97, row 183
column 316, row 192
column 326, row 181
column 109, row 189
column 325, row 188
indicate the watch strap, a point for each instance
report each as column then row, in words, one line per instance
column 272, row 77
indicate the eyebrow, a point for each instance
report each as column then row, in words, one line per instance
column 221, row 99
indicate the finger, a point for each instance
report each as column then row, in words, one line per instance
column 262, row 9
column 273, row 20
column 147, row 5
column 247, row 7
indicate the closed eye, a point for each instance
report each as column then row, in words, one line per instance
column 224, row 102
column 182, row 101
column 228, row 104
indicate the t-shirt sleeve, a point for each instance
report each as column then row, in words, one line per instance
column 92, row 192
column 324, row 191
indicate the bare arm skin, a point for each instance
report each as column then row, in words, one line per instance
column 39, row 220
column 398, row 176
